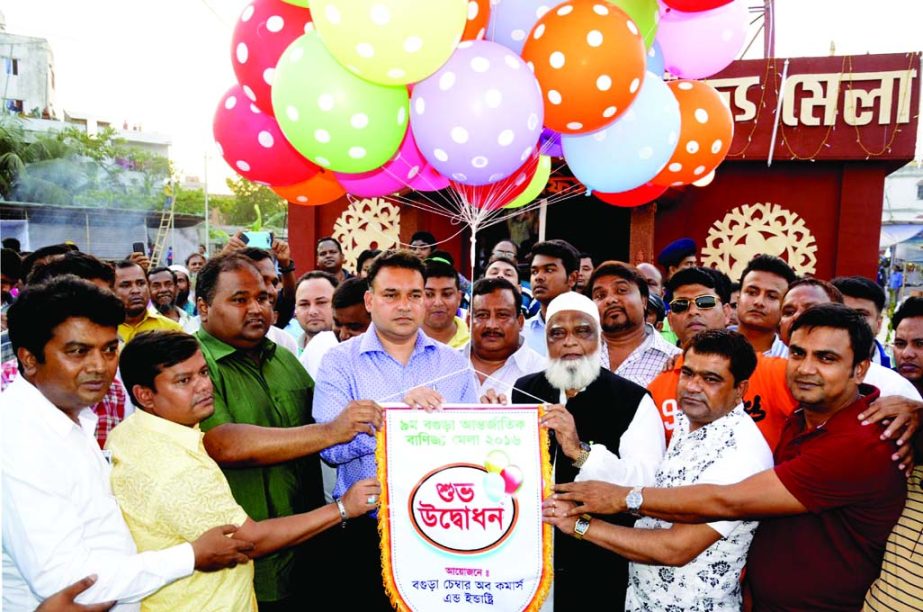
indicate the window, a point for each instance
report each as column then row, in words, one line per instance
column 920, row 190
column 11, row 65
column 13, row 106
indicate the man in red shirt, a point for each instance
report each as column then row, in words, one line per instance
column 827, row 507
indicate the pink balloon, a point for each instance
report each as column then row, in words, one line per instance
column 512, row 479
column 401, row 171
column 253, row 145
column 265, row 29
column 698, row 45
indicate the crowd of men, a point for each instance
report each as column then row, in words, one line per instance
column 186, row 437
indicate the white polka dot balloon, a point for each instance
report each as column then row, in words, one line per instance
column 392, row 42
column 478, row 119
column 253, row 145
column 512, row 20
column 264, row 30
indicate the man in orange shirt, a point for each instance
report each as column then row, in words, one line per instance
column 699, row 302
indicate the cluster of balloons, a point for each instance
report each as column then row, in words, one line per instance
column 375, row 97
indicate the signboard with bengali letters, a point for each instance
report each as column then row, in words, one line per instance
column 460, row 516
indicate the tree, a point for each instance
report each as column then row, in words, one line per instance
column 247, row 196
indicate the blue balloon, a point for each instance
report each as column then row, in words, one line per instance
column 634, row 148
column 655, row 60
column 512, row 20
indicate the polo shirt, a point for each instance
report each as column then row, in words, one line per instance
column 170, row 491
column 276, row 392
column 826, row 558
column 152, row 321
column 768, row 400
column 900, row 585
column 462, row 335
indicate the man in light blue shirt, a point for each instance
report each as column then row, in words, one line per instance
column 553, row 271
column 391, row 362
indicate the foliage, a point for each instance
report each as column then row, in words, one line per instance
column 252, row 203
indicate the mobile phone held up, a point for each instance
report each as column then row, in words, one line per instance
column 138, row 247
column 259, row 240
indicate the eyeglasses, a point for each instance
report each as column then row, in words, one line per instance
column 702, row 302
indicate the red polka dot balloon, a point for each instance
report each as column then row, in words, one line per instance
column 648, row 192
column 253, row 145
column 478, row 16
column 588, row 57
column 692, row 6
column 706, row 130
column 265, row 29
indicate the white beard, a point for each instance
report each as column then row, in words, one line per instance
column 574, row 373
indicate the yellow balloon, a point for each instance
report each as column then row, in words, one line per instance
column 536, row 185
column 391, row 42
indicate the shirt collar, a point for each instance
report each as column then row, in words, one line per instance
column 522, row 354
column 189, row 438
column 536, row 321
column 220, row 349
column 370, row 342
column 54, row 417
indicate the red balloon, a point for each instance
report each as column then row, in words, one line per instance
column 478, row 16
column 265, row 29
column 694, row 6
column 647, row 192
column 253, row 145
column 495, row 196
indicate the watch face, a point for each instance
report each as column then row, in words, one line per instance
column 634, row 500
column 581, row 527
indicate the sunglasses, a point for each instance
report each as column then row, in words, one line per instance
column 702, row 302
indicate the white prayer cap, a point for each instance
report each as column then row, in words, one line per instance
column 572, row 300
column 179, row 268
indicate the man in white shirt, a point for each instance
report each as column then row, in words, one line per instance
column 314, row 305
column 691, row 566
column 60, row 520
column 497, row 350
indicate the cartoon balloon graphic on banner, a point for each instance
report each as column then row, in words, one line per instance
column 333, row 117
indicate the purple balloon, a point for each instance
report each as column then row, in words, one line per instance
column 698, row 45
column 550, row 143
column 477, row 119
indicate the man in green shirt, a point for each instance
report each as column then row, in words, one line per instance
column 261, row 433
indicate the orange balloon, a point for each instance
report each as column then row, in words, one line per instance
column 478, row 16
column 321, row 188
column 588, row 57
column 705, row 133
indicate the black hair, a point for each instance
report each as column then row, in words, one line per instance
column 729, row 344
column 439, row 269
column 507, row 260
column 912, row 307
column 207, row 280
column 734, row 286
column 191, row 255
column 559, row 249
column 327, row 276
column 365, row 256
column 424, row 237
column 127, row 263
column 350, row 292
column 394, row 259
column 585, row 255
column 328, row 239
column 81, row 265
column 11, row 263
column 255, row 254
column 839, row 316
column 486, row 286
column 39, row 309
column 160, row 269
column 13, row 244
column 832, row 292
column 43, row 252
column 622, row 270
column 150, row 353
column 706, row 277
column 861, row 288
column 656, row 307
column 771, row 264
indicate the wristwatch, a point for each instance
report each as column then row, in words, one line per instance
column 289, row 268
column 581, row 526
column 583, row 456
column 633, row 501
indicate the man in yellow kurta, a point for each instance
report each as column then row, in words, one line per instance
column 170, row 490
column 133, row 289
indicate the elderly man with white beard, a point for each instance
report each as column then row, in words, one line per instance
column 589, row 405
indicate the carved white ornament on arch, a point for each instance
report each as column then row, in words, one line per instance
column 763, row 227
column 368, row 223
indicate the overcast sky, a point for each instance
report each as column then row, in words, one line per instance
column 165, row 64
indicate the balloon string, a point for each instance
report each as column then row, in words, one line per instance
column 431, row 383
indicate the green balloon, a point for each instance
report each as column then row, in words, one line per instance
column 645, row 14
column 334, row 118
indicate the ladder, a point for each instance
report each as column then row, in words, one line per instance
column 166, row 226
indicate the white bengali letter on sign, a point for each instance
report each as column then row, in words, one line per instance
column 464, row 489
